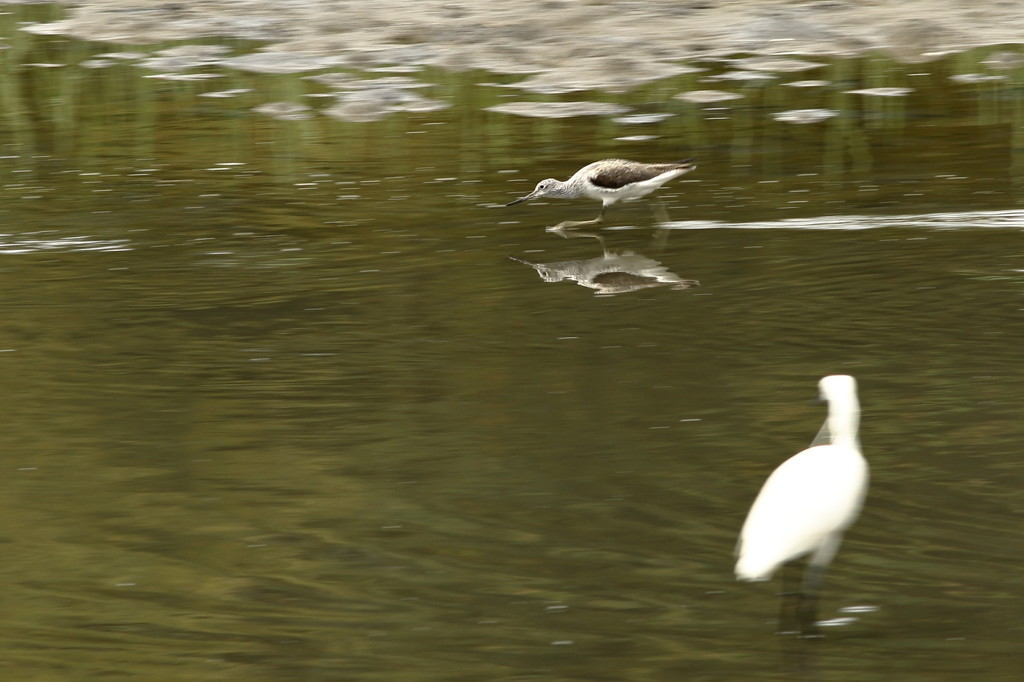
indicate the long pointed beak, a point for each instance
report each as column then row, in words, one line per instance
column 520, row 200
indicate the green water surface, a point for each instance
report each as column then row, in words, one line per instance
column 280, row 407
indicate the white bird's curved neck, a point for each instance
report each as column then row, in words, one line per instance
column 843, row 421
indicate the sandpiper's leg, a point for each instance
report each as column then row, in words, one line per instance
column 579, row 223
column 561, row 232
column 660, row 237
column 573, row 223
column 659, row 240
column 660, row 213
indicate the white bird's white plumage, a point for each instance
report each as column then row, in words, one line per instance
column 810, row 500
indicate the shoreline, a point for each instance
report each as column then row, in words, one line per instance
column 526, row 36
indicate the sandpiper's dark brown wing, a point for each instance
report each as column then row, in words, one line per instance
column 618, row 173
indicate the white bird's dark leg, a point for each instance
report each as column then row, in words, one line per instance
column 800, row 660
column 807, row 606
column 790, row 597
column 807, row 611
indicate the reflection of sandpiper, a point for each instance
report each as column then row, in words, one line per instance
column 609, row 181
column 611, row 273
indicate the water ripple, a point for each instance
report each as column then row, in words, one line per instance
column 61, row 244
column 1013, row 219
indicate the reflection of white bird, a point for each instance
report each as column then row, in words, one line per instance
column 808, row 502
column 608, row 181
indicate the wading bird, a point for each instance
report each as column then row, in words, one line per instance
column 806, row 505
column 608, row 181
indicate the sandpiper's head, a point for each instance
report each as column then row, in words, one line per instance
column 544, row 188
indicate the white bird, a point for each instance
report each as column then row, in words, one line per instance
column 808, row 502
column 608, row 181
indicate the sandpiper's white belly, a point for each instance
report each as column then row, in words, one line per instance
column 631, row 191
